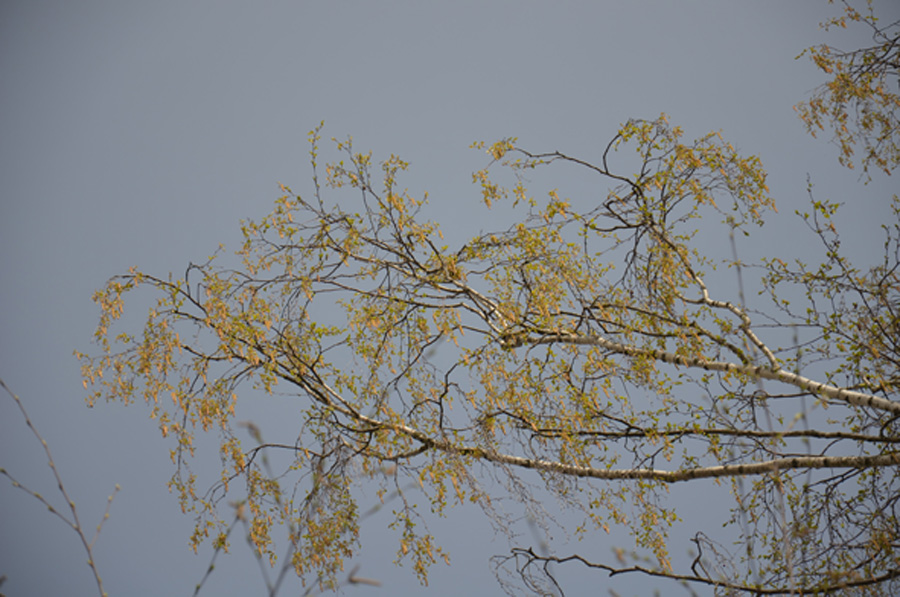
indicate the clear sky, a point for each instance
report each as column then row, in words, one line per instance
column 141, row 133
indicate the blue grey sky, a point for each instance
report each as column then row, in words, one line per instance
column 141, row 133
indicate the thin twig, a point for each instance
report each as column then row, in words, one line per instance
column 74, row 522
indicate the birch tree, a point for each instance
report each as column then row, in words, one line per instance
column 591, row 352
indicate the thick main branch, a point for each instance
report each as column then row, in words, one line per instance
column 757, row 372
column 333, row 399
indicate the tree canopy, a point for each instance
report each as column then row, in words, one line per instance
column 594, row 350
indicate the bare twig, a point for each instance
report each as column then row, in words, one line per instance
column 74, row 521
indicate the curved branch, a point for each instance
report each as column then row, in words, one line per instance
column 833, row 392
column 328, row 396
column 756, row 590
